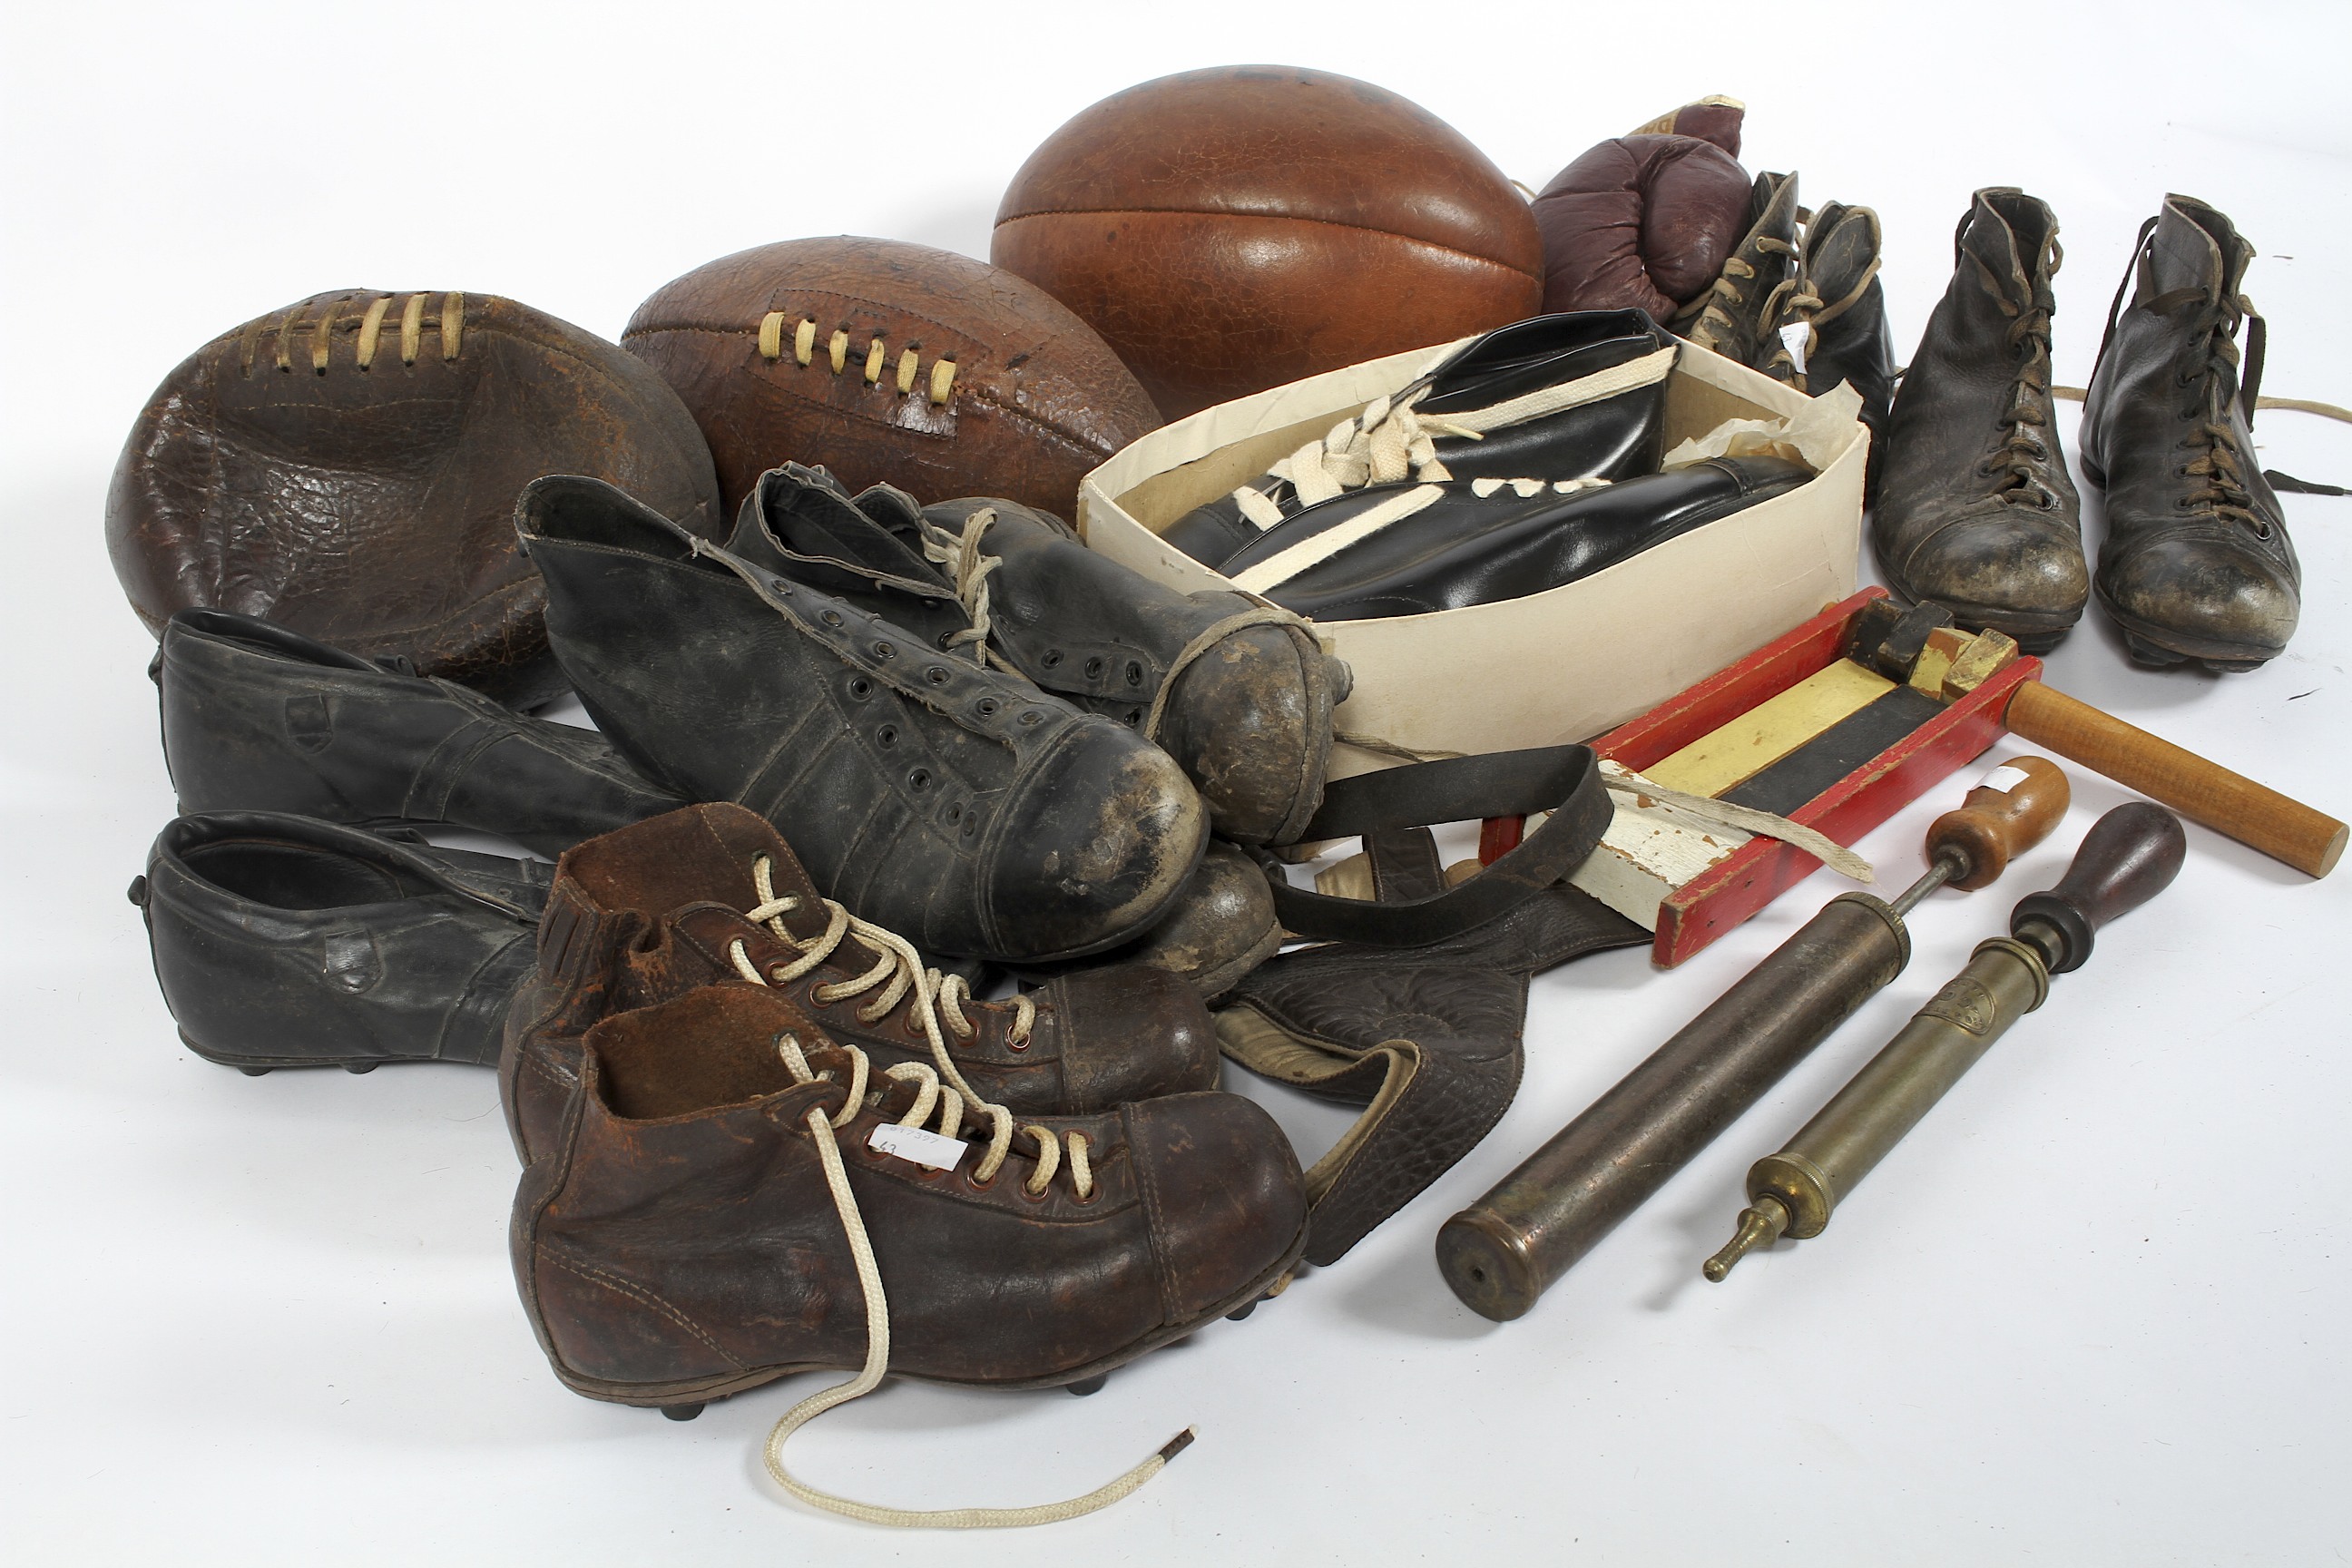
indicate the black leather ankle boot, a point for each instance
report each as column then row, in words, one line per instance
column 2196, row 564
column 957, row 806
column 1977, row 511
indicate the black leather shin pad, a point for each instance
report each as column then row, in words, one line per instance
column 1426, row 1039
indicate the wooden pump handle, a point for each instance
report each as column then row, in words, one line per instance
column 2205, row 792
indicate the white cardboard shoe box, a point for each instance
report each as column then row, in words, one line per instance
column 1564, row 664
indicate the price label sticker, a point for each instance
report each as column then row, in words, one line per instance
column 2004, row 778
column 940, row 1153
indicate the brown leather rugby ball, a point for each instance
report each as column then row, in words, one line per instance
column 889, row 362
column 347, row 468
column 1233, row 229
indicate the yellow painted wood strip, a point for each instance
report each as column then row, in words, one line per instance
column 1771, row 730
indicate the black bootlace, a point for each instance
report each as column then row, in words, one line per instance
column 2218, row 459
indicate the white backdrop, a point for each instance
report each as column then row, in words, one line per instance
column 2093, row 1310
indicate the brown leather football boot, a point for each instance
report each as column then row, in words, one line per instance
column 730, row 1199
column 712, row 894
column 2197, row 563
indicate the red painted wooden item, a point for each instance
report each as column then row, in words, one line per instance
column 1762, row 868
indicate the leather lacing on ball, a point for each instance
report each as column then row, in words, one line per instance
column 803, row 350
column 1393, row 440
column 449, row 324
column 931, row 1097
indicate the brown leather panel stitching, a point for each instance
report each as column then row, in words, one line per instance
column 643, row 1298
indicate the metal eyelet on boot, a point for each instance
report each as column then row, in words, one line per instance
column 1134, row 672
column 1050, row 658
column 884, row 650
column 886, row 736
column 937, row 675
column 861, row 689
column 987, row 707
column 1095, row 668
column 919, row 779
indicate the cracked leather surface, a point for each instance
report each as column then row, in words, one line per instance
column 1429, row 1038
column 370, row 505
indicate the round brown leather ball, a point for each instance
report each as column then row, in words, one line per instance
column 347, row 468
column 889, row 362
column 1234, row 229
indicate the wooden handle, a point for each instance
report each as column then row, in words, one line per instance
column 2010, row 812
column 2263, row 819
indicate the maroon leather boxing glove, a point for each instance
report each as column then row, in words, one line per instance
column 1641, row 222
column 1715, row 120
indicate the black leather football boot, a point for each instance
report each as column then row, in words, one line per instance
column 1977, row 511
column 1578, row 394
column 1739, row 314
column 2196, row 564
column 280, row 942
column 262, row 719
column 1241, row 695
column 957, row 806
column 1410, row 552
column 1427, row 1038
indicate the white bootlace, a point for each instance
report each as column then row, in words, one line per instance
column 1392, row 440
column 961, row 554
column 896, row 961
column 931, row 1098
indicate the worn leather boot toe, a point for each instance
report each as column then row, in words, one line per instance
column 2211, row 596
column 1099, row 1017
column 2195, row 565
column 1227, row 1203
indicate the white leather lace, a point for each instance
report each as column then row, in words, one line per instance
column 1392, row 440
column 896, row 962
column 961, row 554
column 933, row 1100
